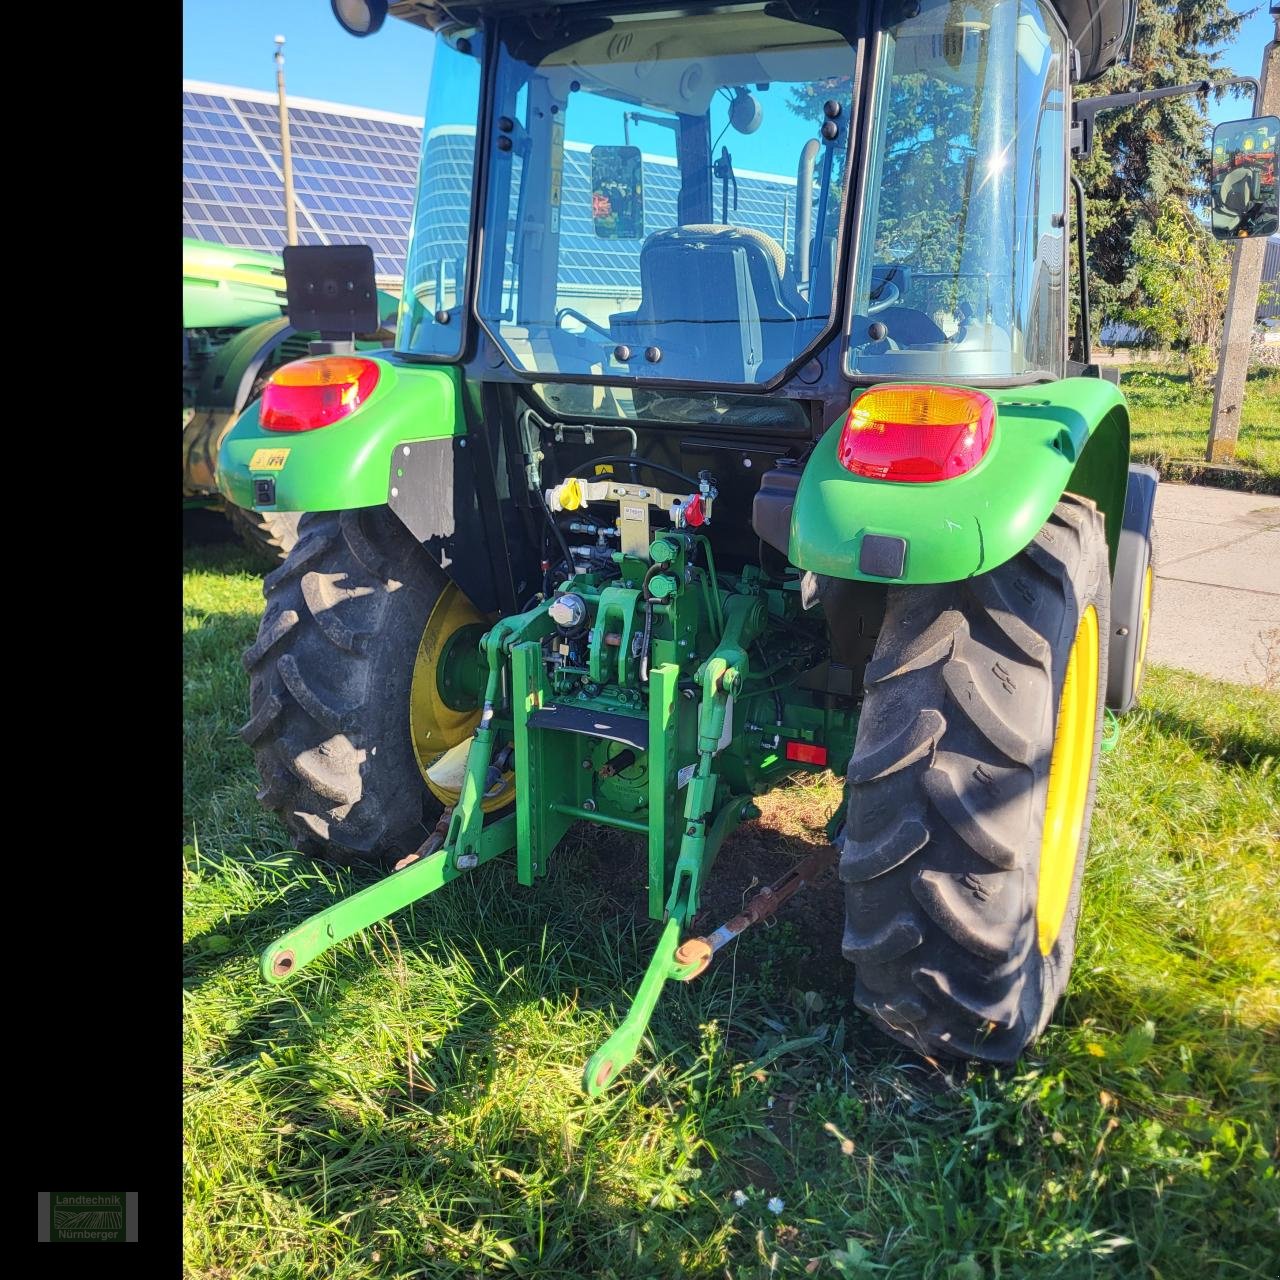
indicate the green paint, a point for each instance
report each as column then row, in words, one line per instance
column 1071, row 435
column 622, row 1046
column 348, row 464
column 663, row 766
column 327, row 928
column 545, row 762
column 225, row 288
column 685, row 793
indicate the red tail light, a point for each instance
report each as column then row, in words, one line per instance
column 806, row 753
column 307, row 394
column 916, row 433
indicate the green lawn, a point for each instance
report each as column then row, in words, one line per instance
column 411, row 1107
column 1170, row 423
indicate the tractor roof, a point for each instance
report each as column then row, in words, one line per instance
column 1098, row 28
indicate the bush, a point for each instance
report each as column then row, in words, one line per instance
column 1183, row 274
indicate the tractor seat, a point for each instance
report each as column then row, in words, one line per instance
column 773, row 250
column 1235, row 193
column 717, row 301
column 766, row 242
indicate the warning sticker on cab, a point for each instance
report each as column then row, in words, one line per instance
column 682, row 778
column 268, row 459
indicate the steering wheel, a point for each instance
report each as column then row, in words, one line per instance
column 587, row 320
column 881, row 301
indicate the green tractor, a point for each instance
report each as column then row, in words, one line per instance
column 235, row 333
column 756, row 449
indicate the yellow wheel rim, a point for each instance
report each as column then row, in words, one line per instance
column 433, row 724
column 445, row 776
column 1144, row 626
column 441, row 735
column 1070, row 768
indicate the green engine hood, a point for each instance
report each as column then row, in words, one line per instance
column 224, row 288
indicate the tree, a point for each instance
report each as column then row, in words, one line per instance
column 1145, row 156
column 1181, row 274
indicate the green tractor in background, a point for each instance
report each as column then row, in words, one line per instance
column 685, row 474
column 234, row 335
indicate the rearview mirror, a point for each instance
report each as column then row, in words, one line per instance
column 1245, row 196
column 617, row 193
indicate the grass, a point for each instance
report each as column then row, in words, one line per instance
column 1170, row 422
column 411, row 1107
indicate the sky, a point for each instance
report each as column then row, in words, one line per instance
column 1245, row 59
column 230, row 42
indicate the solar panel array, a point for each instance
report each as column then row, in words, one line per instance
column 354, row 173
column 355, row 176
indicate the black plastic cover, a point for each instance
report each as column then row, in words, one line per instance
column 771, row 507
column 882, row 556
column 631, row 731
column 331, row 288
column 1100, row 31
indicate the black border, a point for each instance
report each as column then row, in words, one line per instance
column 97, row 1027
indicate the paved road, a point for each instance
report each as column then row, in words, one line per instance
column 1217, row 597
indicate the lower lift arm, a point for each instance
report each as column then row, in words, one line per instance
column 467, row 844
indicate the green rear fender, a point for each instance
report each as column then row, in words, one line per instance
column 347, row 464
column 1066, row 436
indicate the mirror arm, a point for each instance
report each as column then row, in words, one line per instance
column 1085, row 110
column 641, row 117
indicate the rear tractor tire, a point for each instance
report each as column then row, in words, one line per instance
column 1133, row 591
column 270, row 534
column 971, row 789
column 330, row 681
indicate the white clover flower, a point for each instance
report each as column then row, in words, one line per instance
column 739, row 1198
column 775, row 1205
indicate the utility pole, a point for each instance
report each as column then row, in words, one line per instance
column 286, row 152
column 1242, row 298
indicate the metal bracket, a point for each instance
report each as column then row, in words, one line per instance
column 1084, row 111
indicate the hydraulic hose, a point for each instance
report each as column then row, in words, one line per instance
column 629, row 460
column 648, row 622
column 555, row 528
